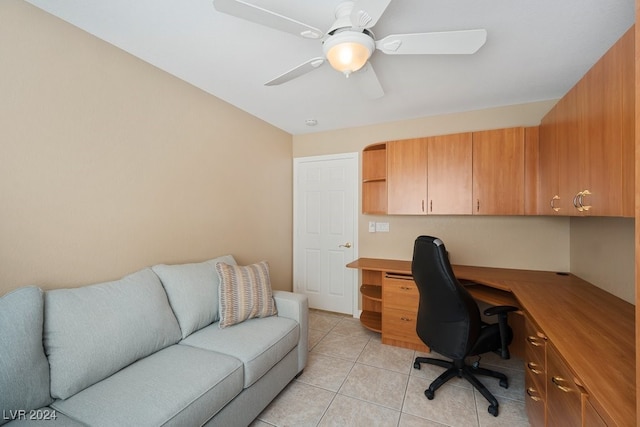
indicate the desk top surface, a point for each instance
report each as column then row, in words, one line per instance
column 593, row 330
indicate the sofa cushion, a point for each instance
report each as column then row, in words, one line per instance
column 177, row 386
column 193, row 292
column 93, row 331
column 245, row 293
column 24, row 371
column 258, row 343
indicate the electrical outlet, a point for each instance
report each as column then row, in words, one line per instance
column 372, row 227
column 382, row 227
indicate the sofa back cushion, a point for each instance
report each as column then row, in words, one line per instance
column 193, row 292
column 24, row 371
column 94, row 331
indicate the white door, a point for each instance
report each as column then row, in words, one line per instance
column 325, row 219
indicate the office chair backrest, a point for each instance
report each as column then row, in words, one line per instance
column 448, row 318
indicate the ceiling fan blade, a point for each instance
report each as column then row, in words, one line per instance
column 301, row 69
column 258, row 15
column 365, row 13
column 367, row 81
column 442, row 43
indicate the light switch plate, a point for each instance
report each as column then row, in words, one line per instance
column 372, row 227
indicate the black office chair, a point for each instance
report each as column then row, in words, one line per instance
column 449, row 321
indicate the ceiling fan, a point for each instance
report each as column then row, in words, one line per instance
column 349, row 43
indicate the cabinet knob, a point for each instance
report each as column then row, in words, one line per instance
column 553, row 200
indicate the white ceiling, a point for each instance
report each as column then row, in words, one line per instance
column 535, row 50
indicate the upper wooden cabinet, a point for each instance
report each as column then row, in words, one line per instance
column 407, row 176
column 481, row 173
column 587, row 141
column 498, row 172
column 449, row 167
column 430, row 176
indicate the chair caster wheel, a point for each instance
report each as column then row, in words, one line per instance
column 429, row 393
column 493, row 410
column 416, row 365
column 504, row 383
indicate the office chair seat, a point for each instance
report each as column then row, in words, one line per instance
column 449, row 322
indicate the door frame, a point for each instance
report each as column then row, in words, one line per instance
column 354, row 158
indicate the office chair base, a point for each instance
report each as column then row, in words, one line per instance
column 458, row 368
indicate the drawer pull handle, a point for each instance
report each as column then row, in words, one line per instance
column 533, row 367
column 556, row 382
column 406, row 319
column 530, row 392
column 405, row 288
column 534, row 341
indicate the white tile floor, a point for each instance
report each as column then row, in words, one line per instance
column 352, row 379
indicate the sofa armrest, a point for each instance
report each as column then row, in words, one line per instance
column 295, row 306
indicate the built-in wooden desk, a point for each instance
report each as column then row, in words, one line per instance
column 591, row 330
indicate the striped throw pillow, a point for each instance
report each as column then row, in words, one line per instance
column 245, row 292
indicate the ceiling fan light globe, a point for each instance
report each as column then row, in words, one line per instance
column 348, row 51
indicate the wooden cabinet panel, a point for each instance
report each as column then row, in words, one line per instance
column 608, row 169
column 399, row 326
column 564, row 397
column 400, row 298
column 450, row 174
column 498, row 172
column 407, row 177
column 548, row 167
column 531, row 153
column 569, row 152
column 590, row 416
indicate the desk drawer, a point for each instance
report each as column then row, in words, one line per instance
column 535, row 347
column 400, row 292
column 400, row 325
column 535, row 401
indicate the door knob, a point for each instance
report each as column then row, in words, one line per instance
column 346, row 245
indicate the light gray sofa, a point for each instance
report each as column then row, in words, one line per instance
column 145, row 350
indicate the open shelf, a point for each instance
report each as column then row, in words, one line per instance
column 371, row 320
column 373, row 292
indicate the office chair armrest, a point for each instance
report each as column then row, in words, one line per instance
column 502, row 311
column 499, row 309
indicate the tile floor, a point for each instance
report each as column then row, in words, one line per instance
column 352, row 379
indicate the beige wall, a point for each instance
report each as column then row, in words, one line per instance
column 539, row 243
column 603, row 253
column 108, row 165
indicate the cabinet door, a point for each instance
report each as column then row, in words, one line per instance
column 564, row 397
column 407, row 177
column 610, row 86
column 449, row 174
column 591, row 416
column 549, row 202
column 498, row 172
